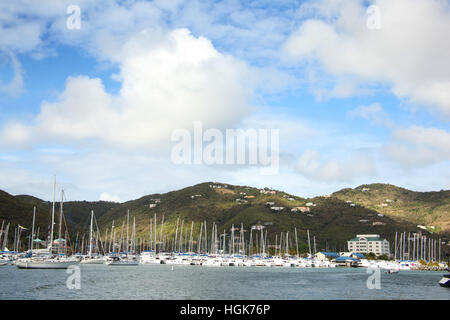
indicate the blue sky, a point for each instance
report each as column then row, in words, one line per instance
column 97, row 105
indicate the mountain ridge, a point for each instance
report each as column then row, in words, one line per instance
column 331, row 219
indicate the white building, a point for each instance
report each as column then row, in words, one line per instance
column 369, row 243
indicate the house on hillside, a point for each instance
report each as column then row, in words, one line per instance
column 257, row 227
column 301, row 209
column 277, row 208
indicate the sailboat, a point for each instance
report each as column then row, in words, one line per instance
column 48, row 260
column 90, row 258
column 127, row 260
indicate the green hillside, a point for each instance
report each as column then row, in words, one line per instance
column 19, row 210
column 430, row 209
column 331, row 220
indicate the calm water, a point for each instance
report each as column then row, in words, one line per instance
column 194, row 282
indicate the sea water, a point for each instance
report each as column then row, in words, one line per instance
column 234, row 283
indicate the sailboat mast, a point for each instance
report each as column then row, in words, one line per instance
column 150, row 235
column 134, row 235
column 128, row 223
column 180, row 247
column 224, row 243
column 232, row 239
column 53, row 216
column 2, row 236
column 60, row 219
column 176, row 234
column 190, row 237
column 155, row 233
column 32, row 229
column 111, row 238
column 309, row 243
column 90, row 235
column 162, row 228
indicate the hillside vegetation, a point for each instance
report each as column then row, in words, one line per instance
column 430, row 209
column 331, row 220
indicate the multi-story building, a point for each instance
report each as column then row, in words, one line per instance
column 369, row 243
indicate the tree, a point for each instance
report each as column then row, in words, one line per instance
column 370, row 256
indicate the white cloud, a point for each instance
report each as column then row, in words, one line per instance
column 418, row 146
column 409, row 53
column 169, row 80
column 105, row 196
column 310, row 166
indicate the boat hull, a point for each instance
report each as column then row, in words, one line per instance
column 92, row 261
column 122, row 262
column 44, row 264
column 445, row 281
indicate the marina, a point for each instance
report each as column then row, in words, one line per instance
column 206, row 264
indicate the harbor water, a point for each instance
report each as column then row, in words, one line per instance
column 230, row 283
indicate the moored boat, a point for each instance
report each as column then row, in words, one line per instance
column 118, row 261
column 445, row 281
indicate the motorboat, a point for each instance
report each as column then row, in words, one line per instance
column 392, row 271
column 445, row 281
column 122, row 261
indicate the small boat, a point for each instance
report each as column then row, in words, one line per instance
column 392, row 271
column 445, row 281
column 118, row 261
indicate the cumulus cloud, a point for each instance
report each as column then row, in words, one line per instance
column 169, row 80
column 311, row 167
column 408, row 53
column 418, row 146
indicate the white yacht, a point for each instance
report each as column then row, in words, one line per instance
column 149, row 257
column 213, row 262
column 45, row 262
